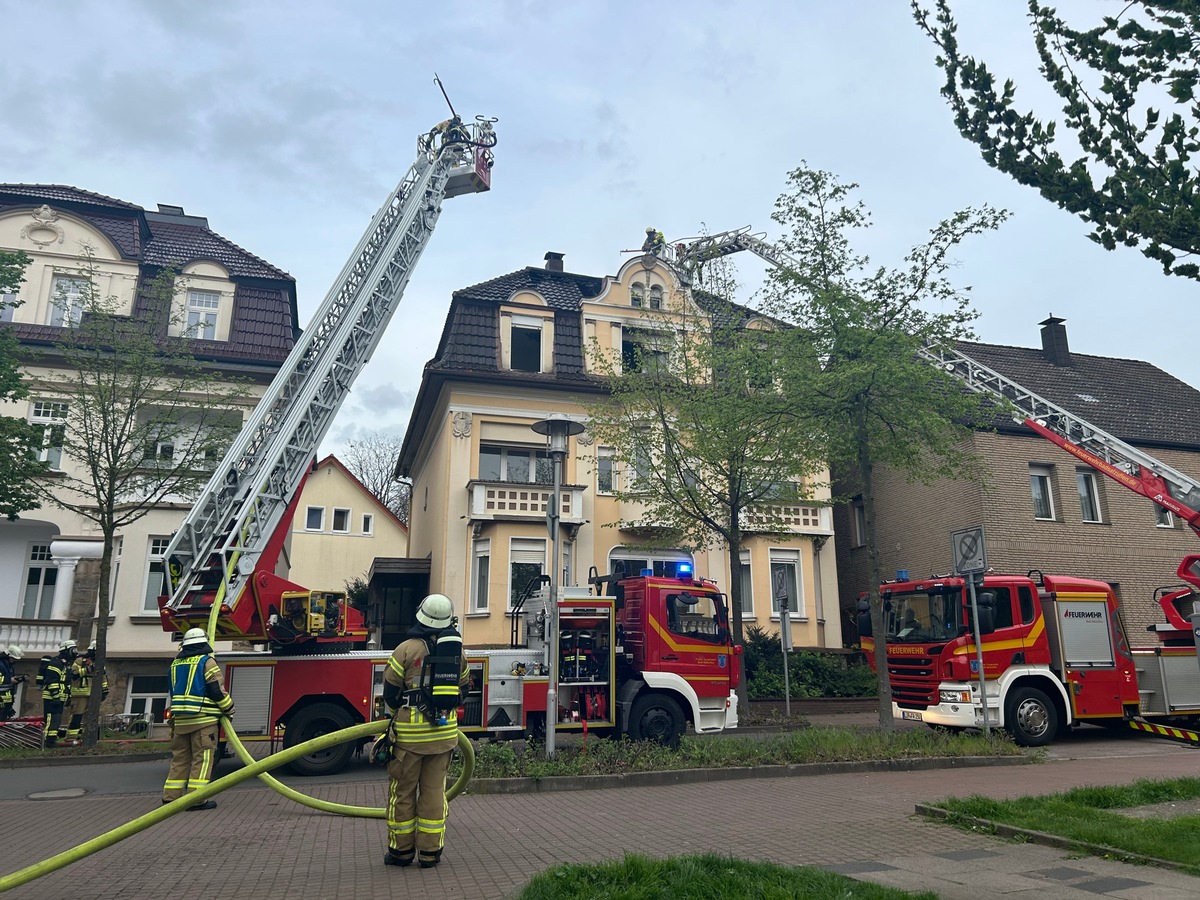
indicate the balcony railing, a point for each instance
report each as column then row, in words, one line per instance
column 35, row 637
column 790, row 518
column 491, row 500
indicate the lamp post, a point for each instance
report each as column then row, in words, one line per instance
column 557, row 427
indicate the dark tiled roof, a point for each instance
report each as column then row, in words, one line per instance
column 1130, row 399
column 177, row 245
column 562, row 290
column 64, row 193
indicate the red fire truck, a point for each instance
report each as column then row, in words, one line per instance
column 644, row 661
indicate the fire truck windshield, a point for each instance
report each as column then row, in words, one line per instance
column 920, row 617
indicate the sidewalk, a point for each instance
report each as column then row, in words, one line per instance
column 257, row 844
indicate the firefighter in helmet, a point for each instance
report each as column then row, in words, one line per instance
column 54, row 678
column 198, row 700
column 655, row 242
column 9, row 680
column 83, row 673
column 422, row 741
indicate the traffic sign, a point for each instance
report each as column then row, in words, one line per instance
column 966, row 546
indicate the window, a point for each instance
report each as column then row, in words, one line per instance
column 858, row 530
column 637, row 294
column 314, row 518
column 655, row 296
column 66, row 300
column 639, row 353
column 694, row 615
column 604, row 470
column 526, row 349
column 1002, row 609
column 1028, row 604
column 1043, row 495
column 368, row 524
column 156, row 574
column 52, row 418
column 480, row 572
column 747, row 584
column 631, row 561
column 160, row 452
column 149, row 694
column 202, row 314
column 785, row 581
column 526, row 561
column 1163, row 517
column 513, row 465
column 40, row 578
column 1089, row 496
column 9, row 301
column 641, row 466
column 341, row 521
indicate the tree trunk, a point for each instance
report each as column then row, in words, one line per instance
column 91, row 720
column 874, row 575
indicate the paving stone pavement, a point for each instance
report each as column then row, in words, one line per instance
column 260, row 845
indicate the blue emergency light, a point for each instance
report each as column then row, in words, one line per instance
column 647, row 573
column 902, row 574
column 684, row 569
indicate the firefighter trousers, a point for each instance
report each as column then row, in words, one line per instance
column 53, row 711
column 193, row 754
column 79, row 705
column 417, row 807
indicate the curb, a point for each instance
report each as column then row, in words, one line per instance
column 695, row 776
column 31, row 762
column 1050, row 840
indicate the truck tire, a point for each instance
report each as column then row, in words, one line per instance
column 1032, row 717
column 311, row 722
column 658, row 718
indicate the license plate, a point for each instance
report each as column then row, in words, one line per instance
column 910, row 714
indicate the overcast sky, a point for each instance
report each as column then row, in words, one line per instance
column 287, row 124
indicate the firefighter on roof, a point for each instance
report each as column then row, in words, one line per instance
column 422, row 683
column 54, row 677
column 655, row 242
column 198, row 700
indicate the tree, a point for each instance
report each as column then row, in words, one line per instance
column 709, row 446
column 873, row 398
column 19, row 441
column 143, row 421
column 1135, row 182
column 372, row 460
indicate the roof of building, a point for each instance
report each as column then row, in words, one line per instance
column 336, row 463
column 562, row 290
column 1130, row 399
column 64, row 193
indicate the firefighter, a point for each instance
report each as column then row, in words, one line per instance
column 655, row 242
column 451, row 131
column 9, row 680
column 423, row 740
column 54, row 677
column 83, row 673
column 198, row 700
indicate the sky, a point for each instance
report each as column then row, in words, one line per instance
column 288, row 123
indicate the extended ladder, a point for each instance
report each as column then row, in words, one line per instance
column 221, row 543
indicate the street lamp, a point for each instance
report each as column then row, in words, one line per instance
column 557, row 427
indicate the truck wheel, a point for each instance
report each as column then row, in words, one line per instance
column 658, row 718
column 1032, row 717
column 312, row 722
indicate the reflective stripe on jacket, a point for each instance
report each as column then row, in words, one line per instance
column 189, row 693
column 54, row 680
column 411, row 726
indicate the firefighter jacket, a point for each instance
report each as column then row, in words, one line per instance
column 8, row 684
column 55, row 679
column 83, row 673
column 412, row 729
column 197, row 697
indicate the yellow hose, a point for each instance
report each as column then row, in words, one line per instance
column 254, row 769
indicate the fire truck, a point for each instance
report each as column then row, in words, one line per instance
column 632, row 670
column 1054, row 648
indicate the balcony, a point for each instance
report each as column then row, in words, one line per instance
column 498, row 501
column 790, row 518
column 36, row 637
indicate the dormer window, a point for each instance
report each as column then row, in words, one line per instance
column 526, row 343
column 203, row 307
column 527, row 347
column 637, row 294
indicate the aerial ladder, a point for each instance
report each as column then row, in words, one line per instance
column 1136, row 470
column 224, row 554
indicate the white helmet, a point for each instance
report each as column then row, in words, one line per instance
column 436, row 611
column 14, row 651
column 68, row 645
column 195, row 636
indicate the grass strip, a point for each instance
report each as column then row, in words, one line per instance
column 701, row 877
column 1091, row 816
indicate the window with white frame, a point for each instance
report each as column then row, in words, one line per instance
column 1089, row 495
column 203, row 307
column 341, row 521
column 8, row 302
column 368, row 523
column 525, row 344
column 640, row 467
column 515, row 465
column 785, row 580
column 637, row 294
column 656, row 296
column 149, row 694
column 526, row 561
column 41, row 574
column 481, row 567
column 747, row 585
column 51, row 417
column 1163, row 517
column 1040, row 483
column 66, row 300
column 314, row 518
column 604, row 470
column 640, row 352
column 156, row 573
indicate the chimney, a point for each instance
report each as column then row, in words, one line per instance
column 554, row 261
column 1054, row 341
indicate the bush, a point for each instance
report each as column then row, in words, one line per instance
column 810, row 674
